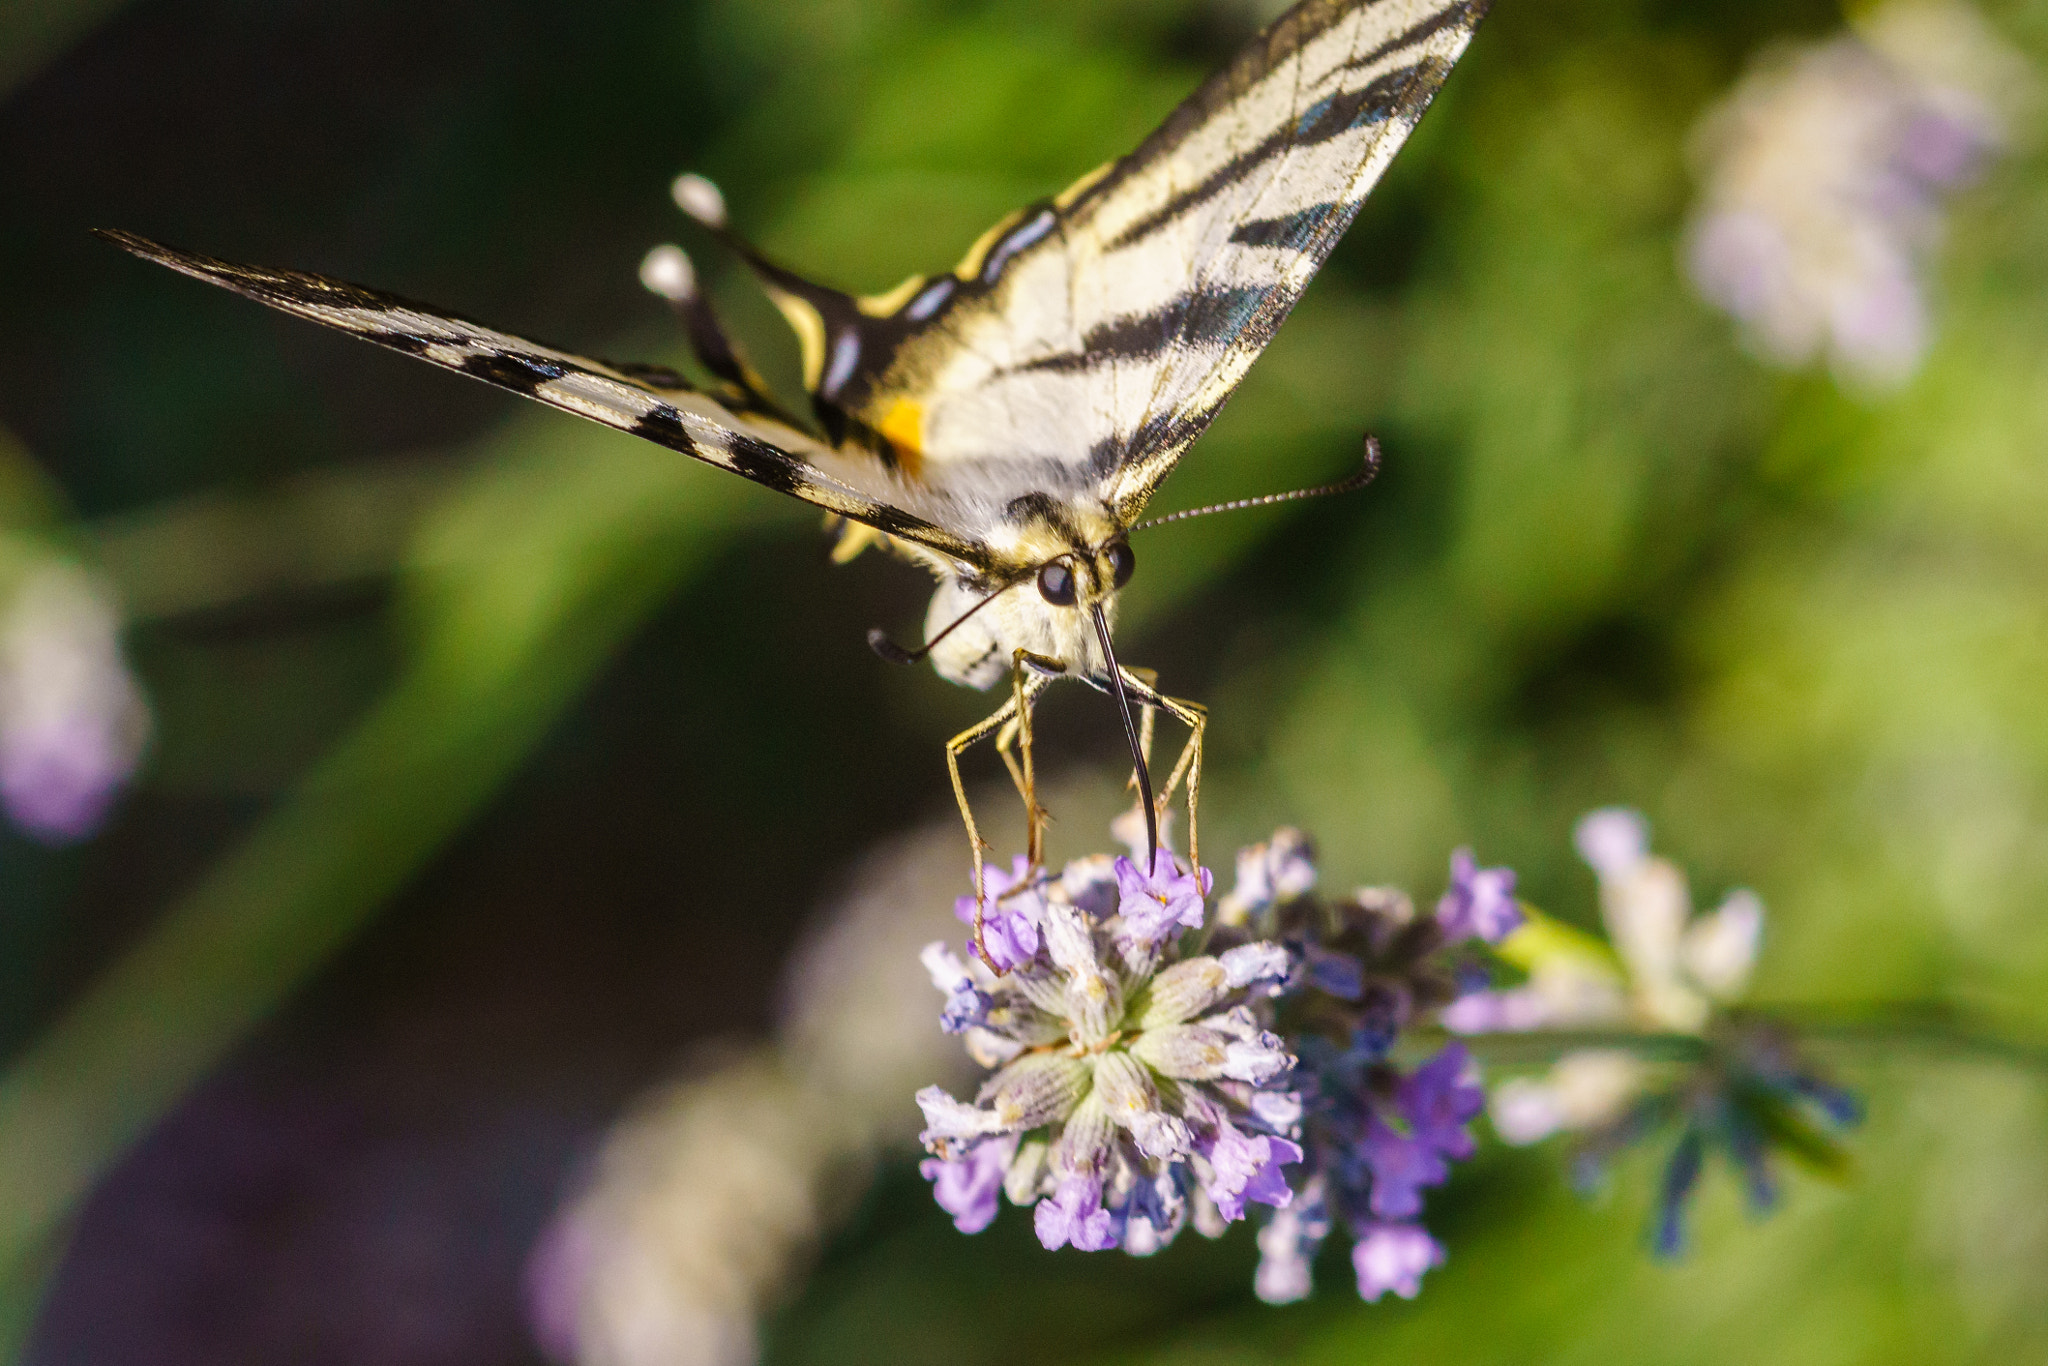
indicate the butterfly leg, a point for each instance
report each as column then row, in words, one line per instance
column 1029, row 673
column 1148, row 715
column 954, row 748
column 1141, row 685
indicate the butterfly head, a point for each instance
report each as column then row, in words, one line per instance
column 974, row 631
column 1083, row 578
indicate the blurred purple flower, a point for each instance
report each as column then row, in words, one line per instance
column 1823, row 175
column 72, row 721
column 1394, row 1257
column 1401, row 1167
column 1441, row 1097
column 1288, row 1244
column 1480, row 903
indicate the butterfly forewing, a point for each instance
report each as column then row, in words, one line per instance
column 1086, row 341
column 647, row 401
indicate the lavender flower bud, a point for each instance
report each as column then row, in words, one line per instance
column 1027, row 1171
column 1288, row 1245
column 1090, row 883
column 1085, row 1141
column 1132, row 1099
column 1036, row 1089
column 1153, row 1214
column 1183, row 991
column 1257, row 1061
column 966, row 1004
column 1190, row 1052
column 951, row 1126
column 1251, row 964
column 1094, row 1001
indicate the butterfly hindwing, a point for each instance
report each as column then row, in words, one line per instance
column 652, row 402
column 1086, row 341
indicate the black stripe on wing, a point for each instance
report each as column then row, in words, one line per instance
column 648, row 401
column 1211, row 347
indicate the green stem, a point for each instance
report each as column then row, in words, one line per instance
column 1929, row 1025
column 1884, row 1024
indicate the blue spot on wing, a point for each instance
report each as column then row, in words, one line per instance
column 1313, row 115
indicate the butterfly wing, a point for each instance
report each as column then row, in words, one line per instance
column 1087, row 340
column 647, row 401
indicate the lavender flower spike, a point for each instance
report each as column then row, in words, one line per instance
column 1137, row 1090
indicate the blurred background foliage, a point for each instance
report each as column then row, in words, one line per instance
column 498, row 760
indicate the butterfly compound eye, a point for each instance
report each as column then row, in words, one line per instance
column 1056, row 584
column 1122, row 561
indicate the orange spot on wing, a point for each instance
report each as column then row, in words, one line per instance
column 903, row 428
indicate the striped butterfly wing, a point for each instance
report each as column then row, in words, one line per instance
column 1087, row 340
column 652, row 402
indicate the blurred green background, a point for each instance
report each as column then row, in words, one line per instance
column 499, row 759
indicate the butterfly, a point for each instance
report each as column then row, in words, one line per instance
column 1005, row 423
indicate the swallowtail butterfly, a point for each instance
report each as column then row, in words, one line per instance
column 1005, row 422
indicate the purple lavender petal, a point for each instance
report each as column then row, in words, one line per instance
column 1243, row 1168
column 1074, row 1214
column 1153, row 905
column 1011, row 919
column 1268, row 1185
column 994, row 883
column 967, row 1187
column 1496, row 1012
column 72, row 721
column 58, row 781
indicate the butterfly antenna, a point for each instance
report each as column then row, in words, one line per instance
column 879, row 642
column 1356, row 481
column 1123, row 705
